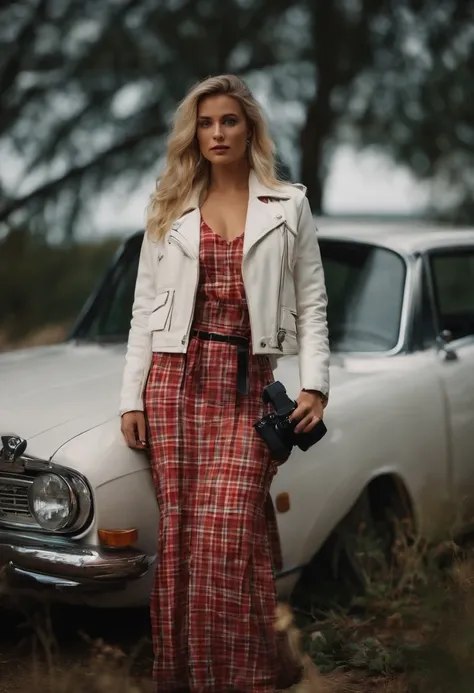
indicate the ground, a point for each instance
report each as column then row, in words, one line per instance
column 72, row 634
column 71, row 630
column 410, row 631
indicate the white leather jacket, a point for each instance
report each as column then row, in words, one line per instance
column 283, row 279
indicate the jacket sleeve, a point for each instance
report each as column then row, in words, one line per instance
column 311, row 305
column 138, row 355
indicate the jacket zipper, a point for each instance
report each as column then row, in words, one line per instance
column 174, row 238
column 146, row 368
column 279, row 332
column 274, row 340
column 185, row 339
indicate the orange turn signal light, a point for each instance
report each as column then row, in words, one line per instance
column 283, row 502
column 118, row 538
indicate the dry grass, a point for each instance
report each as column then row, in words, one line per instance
column 108, row 668
column 49, row 334
column 411, row 632
column 106, row 671
column 312, row 680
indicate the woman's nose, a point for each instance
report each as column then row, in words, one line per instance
column 217, row 134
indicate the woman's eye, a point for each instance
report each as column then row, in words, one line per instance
column 230, row 121
column 204, row 124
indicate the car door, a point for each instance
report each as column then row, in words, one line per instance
column 450, row 275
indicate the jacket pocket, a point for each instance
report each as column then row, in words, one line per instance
column 162, row 311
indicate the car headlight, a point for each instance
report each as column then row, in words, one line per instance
column 53, row 502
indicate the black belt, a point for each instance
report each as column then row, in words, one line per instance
column 242, row 344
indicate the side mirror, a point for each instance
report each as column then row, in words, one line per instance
column 446, row 336
column 443, row 340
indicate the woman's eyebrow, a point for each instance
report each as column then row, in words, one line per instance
column 225, row 115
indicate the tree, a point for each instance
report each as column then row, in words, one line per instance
column 341, row 48
column 394, row 74
column 420, row 109
column 88, row 89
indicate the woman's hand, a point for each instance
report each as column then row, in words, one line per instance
column 310, row 410
column 133, row 428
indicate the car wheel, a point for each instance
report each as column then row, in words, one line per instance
column 357, row 553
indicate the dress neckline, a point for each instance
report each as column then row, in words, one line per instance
column 218, row 236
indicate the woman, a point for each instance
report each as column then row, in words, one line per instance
column 230, row 278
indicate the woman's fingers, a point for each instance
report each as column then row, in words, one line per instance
column 307, row 423
column 312, row 423
column 129, row 433
column 134, row 430
column 141, row 428
column 300, row 412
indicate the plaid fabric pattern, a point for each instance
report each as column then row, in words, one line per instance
column 213, row 602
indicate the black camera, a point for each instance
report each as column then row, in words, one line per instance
column 277, row 430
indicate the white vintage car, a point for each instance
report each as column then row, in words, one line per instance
column 78, row 515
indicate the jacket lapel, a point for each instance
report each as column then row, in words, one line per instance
column 262, row 217
column 265, row 212
column 188, row 225
column 188, row 228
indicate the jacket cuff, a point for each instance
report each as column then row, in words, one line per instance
column 323, row 388
column 318, row 391
column 136, row 405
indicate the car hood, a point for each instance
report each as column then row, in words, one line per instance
column 51, row 394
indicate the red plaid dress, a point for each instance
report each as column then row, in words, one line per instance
column 213, row 601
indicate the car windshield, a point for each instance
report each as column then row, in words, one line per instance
column 365, row 285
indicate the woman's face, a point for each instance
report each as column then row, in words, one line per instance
column 222, row 130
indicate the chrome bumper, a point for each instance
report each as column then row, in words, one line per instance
column 39, row 562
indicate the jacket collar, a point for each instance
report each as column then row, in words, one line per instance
column 261, row 217
column 256, row 190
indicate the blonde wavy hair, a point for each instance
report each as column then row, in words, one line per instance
column 186, row 168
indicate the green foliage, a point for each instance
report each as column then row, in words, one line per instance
column 414, row 624
column 88, row 91
column 44, row 284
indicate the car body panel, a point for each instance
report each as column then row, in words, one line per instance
column 62, row 392
column 457, row 378
column 406, row 412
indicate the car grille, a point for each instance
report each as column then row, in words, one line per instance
column 14, row 507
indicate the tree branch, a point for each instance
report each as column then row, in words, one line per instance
column 44, row 191
column 11, row 66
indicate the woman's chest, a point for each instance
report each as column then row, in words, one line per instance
column 226, row 216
